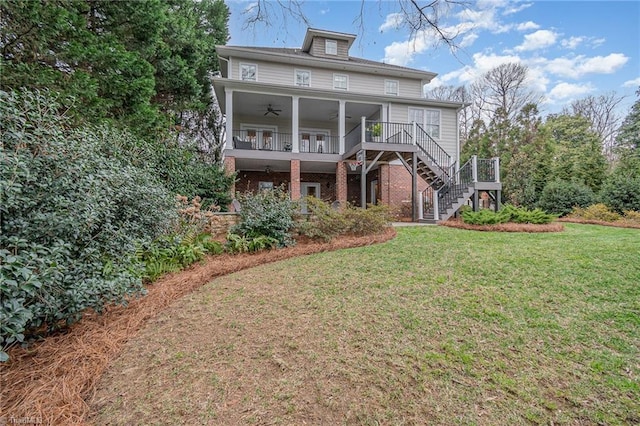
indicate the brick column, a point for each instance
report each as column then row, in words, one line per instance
column 341, row 183
column 230, row 169
column 295, row 179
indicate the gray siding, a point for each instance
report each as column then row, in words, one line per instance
column 399, row 113
column 284, row 74
column 318, row 48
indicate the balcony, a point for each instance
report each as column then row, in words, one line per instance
column 264, row 140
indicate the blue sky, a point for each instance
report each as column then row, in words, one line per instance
column 572, row 48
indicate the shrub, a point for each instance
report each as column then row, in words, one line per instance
column 267, row 213
column 372, row 220
column 560, row 197
column 621, row 192
column 506, row 214
column 242, row 244
column 73, row 214
column 595, row 212
column 631, row 216
column 326, row 223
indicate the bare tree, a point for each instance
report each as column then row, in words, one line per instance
column 456, row 94
column 414, row 15
column 602, row 113
column 505, row 87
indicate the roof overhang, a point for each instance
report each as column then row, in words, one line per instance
column 220, row 84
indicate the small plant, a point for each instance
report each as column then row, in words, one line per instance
column 631, row 216
column 375, row 129
column 242, row 244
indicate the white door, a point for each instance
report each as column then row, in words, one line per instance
column 308, row 189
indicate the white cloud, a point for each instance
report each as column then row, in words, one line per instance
column 537, row 40
column 632, row 83
column 566, row 91
column 392, row 22
column 602, row 64
column 402, row 52
column 598, row 42
column 325, row 11
column 572, row 42
column 515, row 8
column 526, row 26
column 468, row 40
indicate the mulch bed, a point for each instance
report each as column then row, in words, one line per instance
column 50, row 381
column 617, row 224
column 505, row 227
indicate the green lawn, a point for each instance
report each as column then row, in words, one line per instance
column 438, row 326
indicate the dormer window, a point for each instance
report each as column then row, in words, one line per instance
column 331, row 47
column 248, row 72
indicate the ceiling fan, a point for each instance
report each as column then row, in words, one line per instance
column 335, row 115
column 271, row 110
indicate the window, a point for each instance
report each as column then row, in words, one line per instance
column 429, row 119
column 340, row 81
column 248, row 72
column 303, row 78
column 432, row 123
column 391, row 87
column 331, row 47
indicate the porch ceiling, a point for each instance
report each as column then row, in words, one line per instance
column 255, row 104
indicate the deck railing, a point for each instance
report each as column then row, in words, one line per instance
column 276, row 141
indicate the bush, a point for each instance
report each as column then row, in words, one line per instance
column 621, row 192
column 560, row 197
column 242, row 244
column 326, row 223
column 72, row 215
column 631, row 216
column 268, row 213
column 506, row 214
column 596, row 212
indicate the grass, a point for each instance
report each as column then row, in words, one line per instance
column 439, row 326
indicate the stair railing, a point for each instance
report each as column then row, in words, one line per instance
column 438, row 156
column 438, row 200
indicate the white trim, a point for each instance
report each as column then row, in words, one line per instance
column 333, row 43
column 346, row 76
column 424, row 111
column 255, row 74
column 260, row 129
column 397, row 82
column 295, row 77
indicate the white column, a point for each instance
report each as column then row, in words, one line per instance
column 363, row 128
column 420, row 206
column 497, row 167
column 341, row 126
column 228, row 98
column 436, row 207
column 295, row 117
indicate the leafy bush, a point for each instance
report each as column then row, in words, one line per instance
column 560, row 197
column 506, row 214
column 621, row 191
column 267, row 213
column 72, row 214
column 372, row 220
column 326, row 223
column 595, row 212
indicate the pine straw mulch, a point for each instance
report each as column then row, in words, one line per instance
column 51, row 381
column 505, row 227
column 617, row 224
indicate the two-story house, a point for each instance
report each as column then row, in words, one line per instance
column 341, row 128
